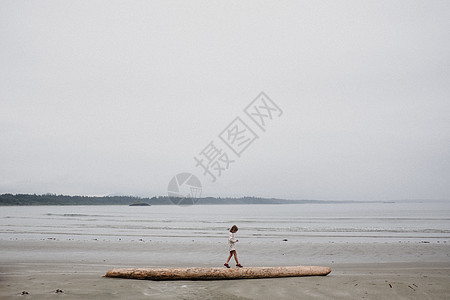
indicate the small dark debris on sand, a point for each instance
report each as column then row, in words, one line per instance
column 25, row 293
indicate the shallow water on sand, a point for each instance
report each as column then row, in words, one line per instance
column 349, row 222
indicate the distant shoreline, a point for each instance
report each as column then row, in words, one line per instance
column 52, row 199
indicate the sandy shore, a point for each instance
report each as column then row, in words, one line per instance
column 370, row 271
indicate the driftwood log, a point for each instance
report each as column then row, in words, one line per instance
column 216, row 273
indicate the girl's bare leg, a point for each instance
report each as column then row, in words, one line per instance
column 229, row 256
column 235, row 257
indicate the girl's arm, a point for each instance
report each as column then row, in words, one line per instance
column 232, row 239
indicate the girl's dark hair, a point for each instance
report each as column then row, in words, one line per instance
column 234, row 228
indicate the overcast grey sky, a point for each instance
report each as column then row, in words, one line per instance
column 117, row 97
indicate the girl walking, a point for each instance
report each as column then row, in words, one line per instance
column 232, row 247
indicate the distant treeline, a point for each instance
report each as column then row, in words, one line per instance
column 53, row 199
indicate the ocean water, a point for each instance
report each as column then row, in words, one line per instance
column 349, row 222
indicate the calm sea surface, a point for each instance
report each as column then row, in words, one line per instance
column 355, row 222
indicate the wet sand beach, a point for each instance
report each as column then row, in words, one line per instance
column 359, row 270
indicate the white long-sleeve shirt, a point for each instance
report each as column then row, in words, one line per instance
column 231, row 238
